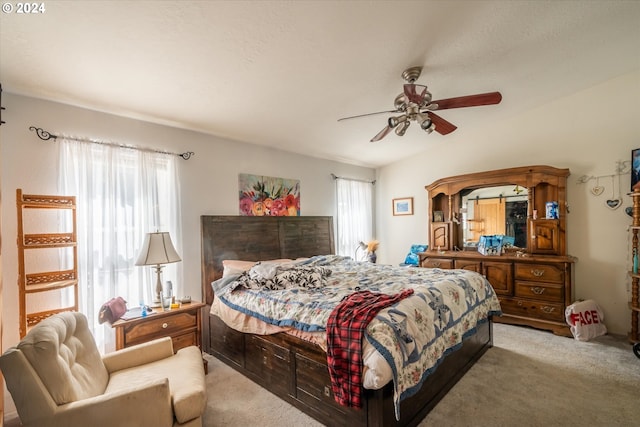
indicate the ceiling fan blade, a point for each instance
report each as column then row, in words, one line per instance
column 490, row 98
column 443, row 127
column 411, row 92
column 381, row 134
column 368, row 114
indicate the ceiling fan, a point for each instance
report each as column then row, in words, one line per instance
column 415, row 104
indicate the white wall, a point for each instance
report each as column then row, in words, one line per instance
column 587, row 132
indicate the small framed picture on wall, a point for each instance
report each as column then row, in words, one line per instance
column 438, row 216
column 635, row 169
column 403, row 206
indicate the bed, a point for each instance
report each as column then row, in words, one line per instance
column 292, row 366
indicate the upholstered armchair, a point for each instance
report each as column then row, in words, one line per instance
column 57, row 377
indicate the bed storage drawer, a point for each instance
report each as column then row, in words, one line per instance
column 313, row 387
column 226, row 342
column 270, row 362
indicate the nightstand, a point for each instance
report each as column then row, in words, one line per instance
column 183, row 325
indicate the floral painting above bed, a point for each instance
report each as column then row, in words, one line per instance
column 268, row 196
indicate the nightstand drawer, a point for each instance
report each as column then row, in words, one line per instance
column 162, row 326
column 183, row 325
column 184, row 340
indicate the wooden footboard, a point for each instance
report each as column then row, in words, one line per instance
column 296, row 371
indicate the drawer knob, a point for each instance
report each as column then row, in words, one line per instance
column 264, row 360
column 327, row 392
column 537, row 272
column 165, row 325
column 537, row 290
column 548, row 309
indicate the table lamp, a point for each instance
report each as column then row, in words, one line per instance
column 157, row 250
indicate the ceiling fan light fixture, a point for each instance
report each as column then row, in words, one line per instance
column 426, row 124
column 395, row 121
column 400, row 103
column 402, row 128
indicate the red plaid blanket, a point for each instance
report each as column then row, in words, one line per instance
column 345, row 329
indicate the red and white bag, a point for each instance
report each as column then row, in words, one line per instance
column 585, row 319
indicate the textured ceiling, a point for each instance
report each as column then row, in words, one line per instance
column 281, row 73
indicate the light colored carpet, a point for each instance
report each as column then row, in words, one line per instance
column 529, row 378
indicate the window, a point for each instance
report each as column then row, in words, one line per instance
column 122, row 194
column 354, row 218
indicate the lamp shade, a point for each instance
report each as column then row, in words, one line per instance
column 157, row 249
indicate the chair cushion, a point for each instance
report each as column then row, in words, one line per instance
column 64, row 354
column 185, row 372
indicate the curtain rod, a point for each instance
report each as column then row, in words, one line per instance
column 45, row 135
column 334, row 176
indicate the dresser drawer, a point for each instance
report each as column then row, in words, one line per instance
column 162, row 326
column 534, row 309
column 468, row 265
column 553, row 292
column 539, row 273
column 437, row 263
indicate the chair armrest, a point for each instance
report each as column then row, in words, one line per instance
column 127, row 407
column 137, row 355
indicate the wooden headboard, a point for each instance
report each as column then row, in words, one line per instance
column 251, row 238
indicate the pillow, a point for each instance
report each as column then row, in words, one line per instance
column 235, row 267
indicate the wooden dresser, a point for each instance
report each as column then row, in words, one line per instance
column 533, row 282
column 533, row 290
column 183, row 325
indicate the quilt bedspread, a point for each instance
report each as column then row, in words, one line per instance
column 413, row 335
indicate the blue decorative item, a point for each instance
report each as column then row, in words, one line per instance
column 412, row 256
column 552, row 210
column 635, row 261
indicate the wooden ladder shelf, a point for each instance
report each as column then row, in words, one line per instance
column 31, row 281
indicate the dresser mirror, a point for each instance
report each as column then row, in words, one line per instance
column 504, row 201
column 494, row 210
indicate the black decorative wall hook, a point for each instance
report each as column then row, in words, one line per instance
column 42, row 134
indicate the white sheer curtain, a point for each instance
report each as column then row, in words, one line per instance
column 122, row 194
column 354, row 218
